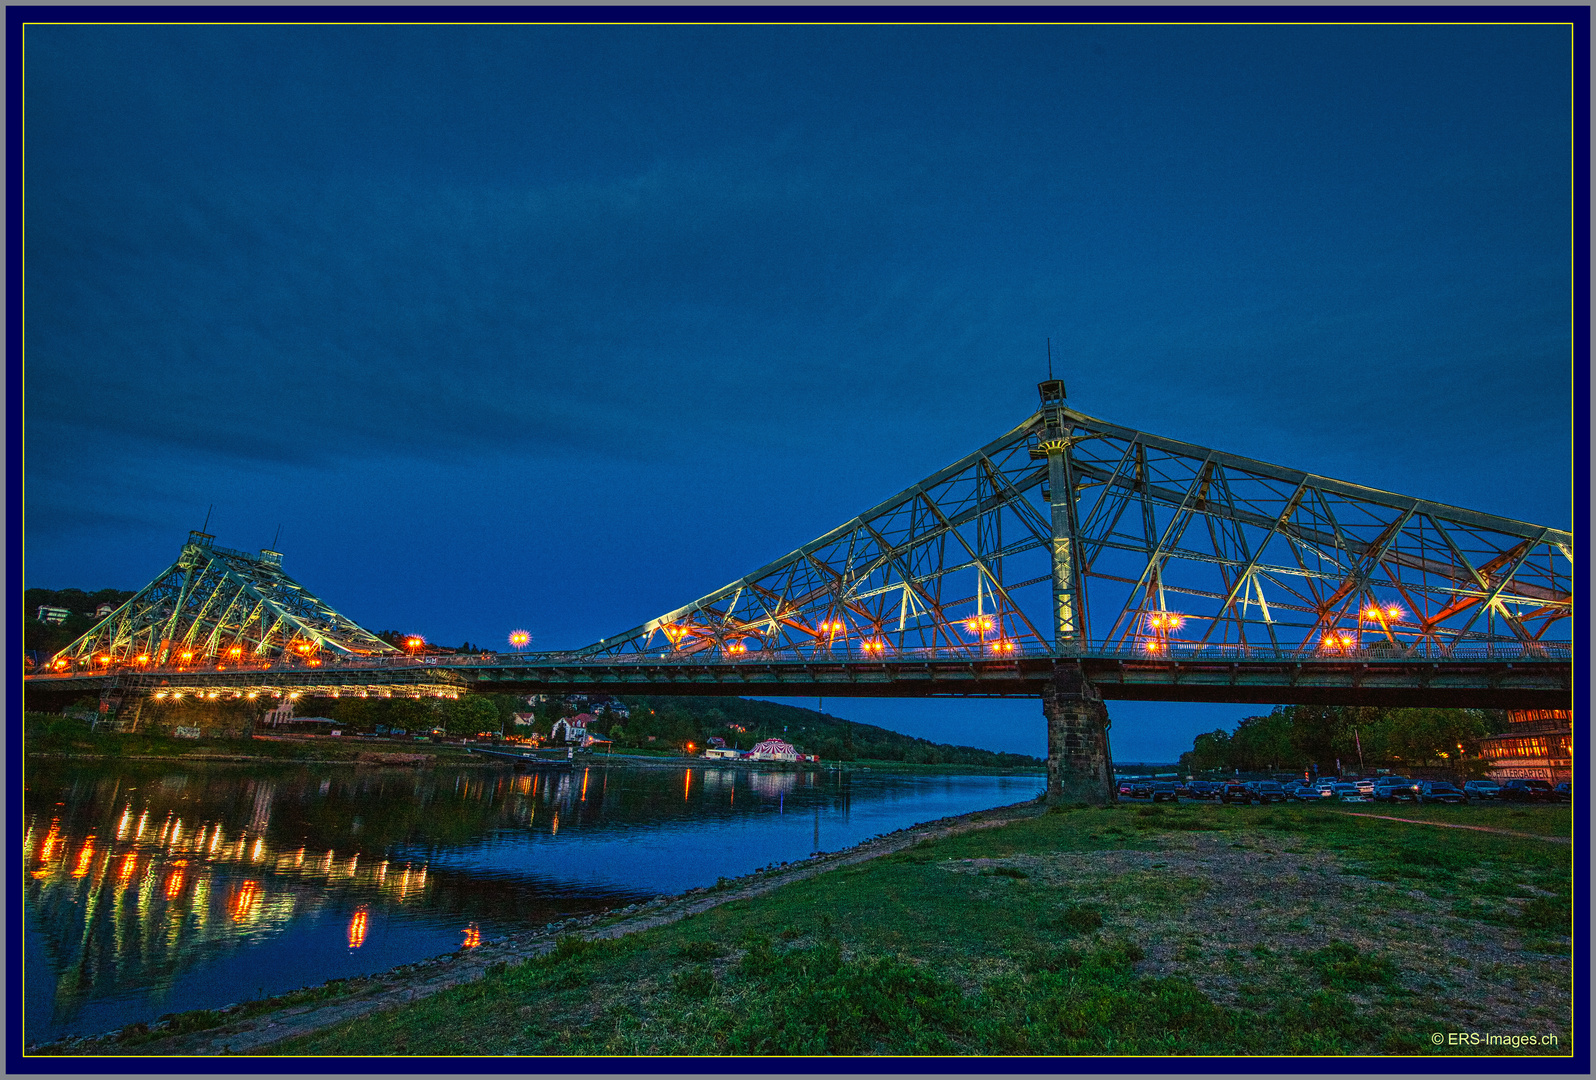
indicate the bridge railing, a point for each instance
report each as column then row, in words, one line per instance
column 1427, row 652
column 1486, row 651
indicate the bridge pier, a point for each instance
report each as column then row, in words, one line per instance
column 1080, row 767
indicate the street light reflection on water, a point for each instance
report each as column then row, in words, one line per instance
column 160, row 891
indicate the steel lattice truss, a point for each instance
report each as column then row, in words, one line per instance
column 216, row 604
column 1166, row 550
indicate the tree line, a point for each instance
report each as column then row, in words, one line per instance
column 1349, row 739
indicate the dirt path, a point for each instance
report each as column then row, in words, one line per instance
column 412, row 982
column 1476, row 828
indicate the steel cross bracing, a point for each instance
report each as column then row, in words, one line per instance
column 1168, row 570
column 216, row 605
column 1176, row 551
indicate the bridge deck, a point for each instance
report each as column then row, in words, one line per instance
column 1515, row 681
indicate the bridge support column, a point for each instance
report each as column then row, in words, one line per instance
column 1079, row 765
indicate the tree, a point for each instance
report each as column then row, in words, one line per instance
column 1431, row 736
column 1264, row 742
column 469, row 715
column 1208, row 752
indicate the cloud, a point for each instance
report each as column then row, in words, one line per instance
column 47, row 519
column 258, row 319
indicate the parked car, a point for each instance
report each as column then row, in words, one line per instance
column 1267, row 791
column 1442, row 792
column 1482, row 789
column 1311, row 793
column 1564, row 792
column 1204, row 789
column 1396, row 789
column 1236, row 791
column 1124, row 789
column 1365, row 784
column 1527, row 791
column 1349, row 793
column 1164, row 791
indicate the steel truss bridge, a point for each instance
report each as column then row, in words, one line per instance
column 1164, row 570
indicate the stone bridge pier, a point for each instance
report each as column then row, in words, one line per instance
column 1079, row 765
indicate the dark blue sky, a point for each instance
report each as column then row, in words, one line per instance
column 559, row 328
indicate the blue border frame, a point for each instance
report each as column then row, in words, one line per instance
column 1578, row 16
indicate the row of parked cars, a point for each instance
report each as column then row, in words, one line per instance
column 1365, row 789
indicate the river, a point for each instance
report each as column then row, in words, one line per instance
column 156, row 888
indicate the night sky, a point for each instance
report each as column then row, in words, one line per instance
column 559, row 328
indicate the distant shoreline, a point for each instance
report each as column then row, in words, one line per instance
column 461, row 757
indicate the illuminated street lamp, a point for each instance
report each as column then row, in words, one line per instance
column 519, row 639
column 1159, row 625
column 413, row 643
column 980, row 626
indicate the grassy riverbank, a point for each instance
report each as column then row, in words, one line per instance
column 1132, row 930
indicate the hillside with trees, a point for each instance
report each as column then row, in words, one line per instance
column 47, row 639
column 666, row 723
column 678, row 720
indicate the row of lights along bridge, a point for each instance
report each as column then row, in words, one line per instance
column 1160, row 624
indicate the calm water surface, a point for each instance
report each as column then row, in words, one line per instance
column 156, row 889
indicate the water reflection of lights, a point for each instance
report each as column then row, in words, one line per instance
column 245, row 904
column 772, row 784
column 161, row 896
column 357, row 927
column 473, row 937
column 51, row 839
column 138, row 887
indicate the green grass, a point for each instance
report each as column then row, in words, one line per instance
column 1195, row 930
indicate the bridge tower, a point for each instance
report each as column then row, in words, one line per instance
column 1079, row 765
